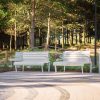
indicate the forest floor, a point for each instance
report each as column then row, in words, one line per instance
column 49, row 86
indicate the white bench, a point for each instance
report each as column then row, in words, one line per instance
column 31, row 59
column 74, row 58
column 17, row 57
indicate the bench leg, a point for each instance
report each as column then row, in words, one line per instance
column 15, row 68
column 42, row 68
column 55, row 68
column 90, row 68
column 64, row 68
column 49, row 67
column 82, row 69
column 23, row 68
column 12, row 64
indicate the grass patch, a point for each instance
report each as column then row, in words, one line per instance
column 2, row 56
column 5, row 68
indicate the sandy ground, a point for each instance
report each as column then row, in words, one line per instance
column 49, row 86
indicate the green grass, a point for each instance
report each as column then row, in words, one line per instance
column 2, row 56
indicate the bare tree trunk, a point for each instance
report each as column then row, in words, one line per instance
column 67, row 37
column 86, row 30
column 28, row 41
column 84, row 34
column 55, row 41
column 62, row 36
column 15, row 33
column 40, row 39
column 48, row 33
column 15, row 36
column 76, row 38
column 72, row 38
column 32, row 24
column 3, row 46
column 10, row 43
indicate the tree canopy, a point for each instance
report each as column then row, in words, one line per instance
column 67, row 17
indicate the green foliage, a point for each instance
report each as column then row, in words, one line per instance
column 95, row 70
column 75, row 12
column 2, row 14
column 5, row 68
column 2, row 56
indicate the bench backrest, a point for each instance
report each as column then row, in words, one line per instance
column 18, row 56
column 36, row 56
column 77, row 56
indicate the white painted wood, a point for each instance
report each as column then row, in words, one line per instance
column 33, row 58
column 74, row 58
column 18, row 57
column 98, row 59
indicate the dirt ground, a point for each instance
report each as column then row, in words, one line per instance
column 49, row 86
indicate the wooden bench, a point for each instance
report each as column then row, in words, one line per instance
column 74, row 58
column 17, row 57
column 31, row 59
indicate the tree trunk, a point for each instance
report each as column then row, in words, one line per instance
column 55, row 41
column 72, row 38
column 62, row 36
column 84, row 35
column 76, row 38
column 67, row 37
column 80, row 38
column 15, row 33
column 40, row 39
column 10, row 43
column 32, row 24
column 48, row 33
column 28, row 41
column 86, row 28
